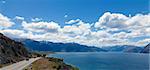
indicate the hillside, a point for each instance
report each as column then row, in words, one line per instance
column 50, row 63
column 11, row 51
column 123, row 48
column 146, row 49
column 59, row 47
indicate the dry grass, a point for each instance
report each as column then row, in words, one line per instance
column 50, row 64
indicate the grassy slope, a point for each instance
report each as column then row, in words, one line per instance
column 50, row 64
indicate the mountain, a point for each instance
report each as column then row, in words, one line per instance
column 146, row 49
column 58, row 47
column 123, row 48
column 11, row 51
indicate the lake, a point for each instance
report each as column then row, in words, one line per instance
column 105, row 61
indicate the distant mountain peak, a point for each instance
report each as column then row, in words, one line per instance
column 123, row 48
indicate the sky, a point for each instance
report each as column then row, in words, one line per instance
column 88, row 22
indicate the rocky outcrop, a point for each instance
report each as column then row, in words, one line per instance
column 11, row 51
column 146, row 49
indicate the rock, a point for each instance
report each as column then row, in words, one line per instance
column 11, row 51
column 146, row 49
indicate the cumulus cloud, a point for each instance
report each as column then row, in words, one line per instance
column 139, row 20
column 144, row 41
column 81, row 28
column 16, row 33
column 110, row 29
column 5, row 22
column 124, row 27
column 115, row 20
column 73, row 21
column 36, row 19
column 19, row 18
column 13, row 33
column 41, row 26
column 112, row 20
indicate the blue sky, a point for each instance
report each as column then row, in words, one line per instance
column 87, row 10
column 87, row 13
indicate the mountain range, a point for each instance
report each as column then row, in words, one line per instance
column 123, row 48
column 58, row 47
column 15, row 50
column 74, row 47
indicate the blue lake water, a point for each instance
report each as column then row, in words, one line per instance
column 106, row 61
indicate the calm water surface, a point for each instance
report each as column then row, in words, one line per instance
column 106, row 61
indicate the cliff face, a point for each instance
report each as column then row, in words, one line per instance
column 11, row 51
column 146, row 49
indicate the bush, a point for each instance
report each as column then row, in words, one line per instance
column 44, row 55
column 38, row 55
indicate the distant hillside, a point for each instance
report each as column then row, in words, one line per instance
column 59, row 47
column 11, row 51
column 146, row 49
column 123, row 48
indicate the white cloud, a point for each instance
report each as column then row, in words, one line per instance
column 112, row 20
column 143, row 42
column 73, row 21
column 139, row 20
column 136, row 26
column 13, row 33
column 101, row 34
column 19, row 18
column 5, row 22
column 36, row 19
column 41, row 26
column 80, row 28
column 112, row 41
column 66, row 16
column 16, row 33
column 115, row 20
column 71, row 30
column 111, row 29
column 139, row 32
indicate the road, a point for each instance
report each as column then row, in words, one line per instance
column 20, row 65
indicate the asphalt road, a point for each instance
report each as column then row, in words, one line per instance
column 20, row 65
